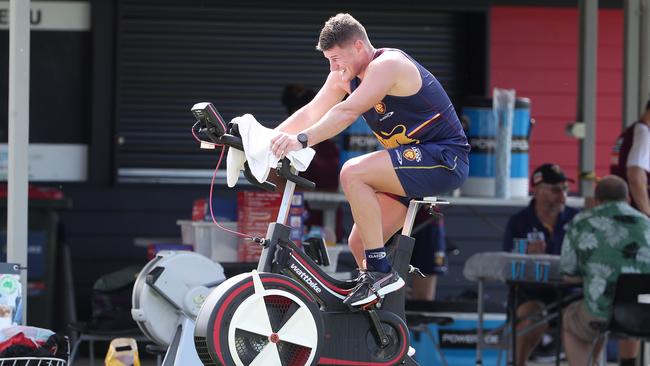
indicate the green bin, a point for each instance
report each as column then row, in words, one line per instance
column 42, row 243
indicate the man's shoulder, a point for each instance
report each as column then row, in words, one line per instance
column 576, row 216
column 521, row 214
column 390, row 62
column 613, row 210
column 641, row 125
column 642, row 132
column 394, row 53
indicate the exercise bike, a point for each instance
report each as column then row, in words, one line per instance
column 289, row 311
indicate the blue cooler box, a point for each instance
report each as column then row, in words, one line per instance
column 458, row 341
column 482, row 137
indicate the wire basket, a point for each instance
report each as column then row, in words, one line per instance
column 32, row 361
column 39, row 361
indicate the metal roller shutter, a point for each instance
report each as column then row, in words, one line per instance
column 172, row 54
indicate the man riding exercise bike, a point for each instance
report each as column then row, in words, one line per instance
column 289, row 311
column 411, row 115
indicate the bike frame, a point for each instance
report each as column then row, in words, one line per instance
column 281, row 255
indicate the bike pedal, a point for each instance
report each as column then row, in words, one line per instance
column 371, row 305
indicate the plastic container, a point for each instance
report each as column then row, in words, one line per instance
column 215, row 243
column 187, row 231
column 224, row 244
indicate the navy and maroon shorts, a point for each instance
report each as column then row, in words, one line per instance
column 429, row 169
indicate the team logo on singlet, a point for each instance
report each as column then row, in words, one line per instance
column 380, row 108
column 412, row 153
column 396, row 137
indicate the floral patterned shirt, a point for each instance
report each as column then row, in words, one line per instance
column 601, row 243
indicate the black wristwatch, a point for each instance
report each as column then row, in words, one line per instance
column 302, row 138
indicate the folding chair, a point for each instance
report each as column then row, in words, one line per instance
column 630, row 310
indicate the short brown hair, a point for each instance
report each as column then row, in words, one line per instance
column 611, row 189
column 647, row 106
column 339, row 30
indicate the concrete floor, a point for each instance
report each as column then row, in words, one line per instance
column 150, row 362
column 100, row 362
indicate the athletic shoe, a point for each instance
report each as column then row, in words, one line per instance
column 411, row 351
column 545, row 351
column 372, row 286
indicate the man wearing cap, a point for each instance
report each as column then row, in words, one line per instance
column 544, row 223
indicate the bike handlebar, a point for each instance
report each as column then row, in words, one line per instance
column 284, row 170
column 212, row 124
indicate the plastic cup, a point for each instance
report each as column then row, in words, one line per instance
column 541, row 271
column 518, row 269
column 520, row 245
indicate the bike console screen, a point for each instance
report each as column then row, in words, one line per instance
column 209, row 118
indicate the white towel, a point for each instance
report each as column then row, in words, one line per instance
column 257, row 146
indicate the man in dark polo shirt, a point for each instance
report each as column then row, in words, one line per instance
column 544, row 220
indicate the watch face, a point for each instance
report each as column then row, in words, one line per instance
column 302, row 138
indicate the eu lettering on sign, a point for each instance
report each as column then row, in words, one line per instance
column 35, row 16
column 53, row 15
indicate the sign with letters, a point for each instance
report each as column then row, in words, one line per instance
column 51, row 162
column 53, row 15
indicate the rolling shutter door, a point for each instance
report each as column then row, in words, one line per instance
column 172, row 54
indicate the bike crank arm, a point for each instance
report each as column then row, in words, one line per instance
column 382, row 338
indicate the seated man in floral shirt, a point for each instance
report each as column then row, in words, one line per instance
column 601, row 243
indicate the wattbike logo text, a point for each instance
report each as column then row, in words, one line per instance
column 305, row 277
